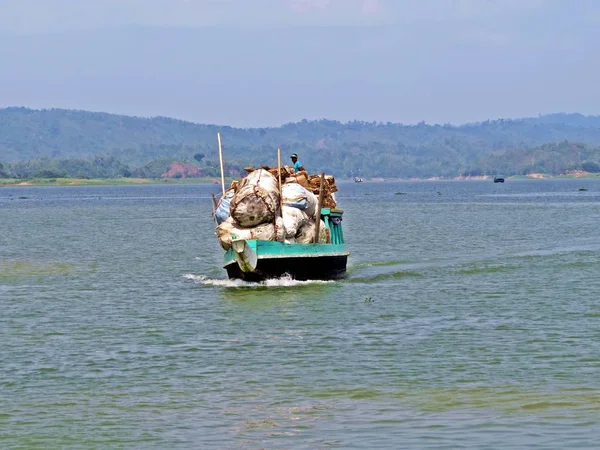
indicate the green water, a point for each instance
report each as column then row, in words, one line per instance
column 469, row 319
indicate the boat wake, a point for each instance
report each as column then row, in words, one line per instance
column 285, row 281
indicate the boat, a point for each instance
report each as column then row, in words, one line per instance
column 258, row 260
column 498, row 180
column 358, row 180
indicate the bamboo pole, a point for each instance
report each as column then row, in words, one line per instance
column 280, row 197
column 214, row 207
column 279, row 173
column 221, row 161
column 321, row 196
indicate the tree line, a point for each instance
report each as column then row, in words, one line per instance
column 40, row 143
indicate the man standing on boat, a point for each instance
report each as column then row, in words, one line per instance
column 297, row 164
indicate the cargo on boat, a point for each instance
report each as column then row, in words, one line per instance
column 275, row 222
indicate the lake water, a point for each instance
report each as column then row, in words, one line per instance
column 470, row 318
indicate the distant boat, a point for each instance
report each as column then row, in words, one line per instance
column 498, row 180
column 358, row 180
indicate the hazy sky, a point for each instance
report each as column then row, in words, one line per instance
column 34, row 16
column 266, row 62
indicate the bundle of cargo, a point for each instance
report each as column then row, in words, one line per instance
column 222, row 208
column 271, row 225
column 286, row 171
column 306, row 234
column 297, row 196
column 301, row 178
column 329, row 189
column 313, row 184
column 256, row 199
column 254, row 209
column 310, row 182
column 249, row 208
column 229, row 230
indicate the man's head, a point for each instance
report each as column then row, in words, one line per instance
column 294, row 157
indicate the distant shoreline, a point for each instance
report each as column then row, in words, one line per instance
column 532, row 176
column 15, row 182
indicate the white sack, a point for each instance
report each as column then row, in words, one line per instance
column 293, row 219
column 229, row 230
column 222, row 212
column 306, row 233
column 297, row 196
column 256, row 200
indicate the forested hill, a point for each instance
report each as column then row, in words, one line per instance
column 345, row 149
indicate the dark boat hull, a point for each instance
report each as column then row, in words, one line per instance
column 299, row 268
column 258, row 260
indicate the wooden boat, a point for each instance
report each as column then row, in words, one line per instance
column 256, row 260
column 498, row 180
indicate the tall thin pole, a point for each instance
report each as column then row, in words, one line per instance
column 280, row 197
column 221, row 160
column 214, row 205
column 279, row 173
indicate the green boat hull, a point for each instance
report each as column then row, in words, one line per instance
column 261, row 260
column 255, row 260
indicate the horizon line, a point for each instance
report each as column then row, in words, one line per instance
column 322, row 119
